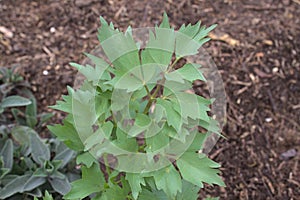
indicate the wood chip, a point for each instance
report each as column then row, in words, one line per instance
column 269, row 183
column 225, row 38
column 261, row 73
column 294, row 182
column 6, row 32
column 259, row 55
column 240, row 91
column 241, row 83
column 268, row 42
column 296, row 106
column 118, row 13
column 297, row 1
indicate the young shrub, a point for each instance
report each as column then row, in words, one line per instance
column 135, row 121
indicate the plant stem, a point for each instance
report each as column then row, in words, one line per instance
column 173, row 64
column 129, row 197
column 148, row 105
column 114, row 119
column 148, row 91
column 153, row 96
column 106, row 164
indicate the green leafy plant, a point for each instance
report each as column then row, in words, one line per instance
column 46, row 197
column 29, row 164
column 27, row 167
column 13, row 101
column 10, row 80
column 135, row 122
column 11, row 83
column 10, row 75
column 29, row 117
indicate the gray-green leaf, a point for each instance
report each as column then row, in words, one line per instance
column 14, row 101
column 33, row 182
column 14, row 186
column 7, row 154
column 39, row 150
column 61, row 186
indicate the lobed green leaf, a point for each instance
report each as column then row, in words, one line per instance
column 68, row 134
column 92, row 181
column 197, row 170
column 168, row 179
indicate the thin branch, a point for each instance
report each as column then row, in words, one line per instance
column 154, row 95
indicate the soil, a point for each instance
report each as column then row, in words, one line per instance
column 256, row 47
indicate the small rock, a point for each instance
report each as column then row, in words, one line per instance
column 52, row 30
column 288, row 154
column 269, row 119
column 255, row 21
column 275, row 70
column 17, row 48
column 45, row 72
column 83, row 2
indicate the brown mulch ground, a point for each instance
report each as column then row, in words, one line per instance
column 259, row 61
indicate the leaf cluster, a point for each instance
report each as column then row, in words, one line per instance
column 29, row 164
column 11, row 83
column 140, row 93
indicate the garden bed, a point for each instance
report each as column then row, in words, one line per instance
column 258, row 59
